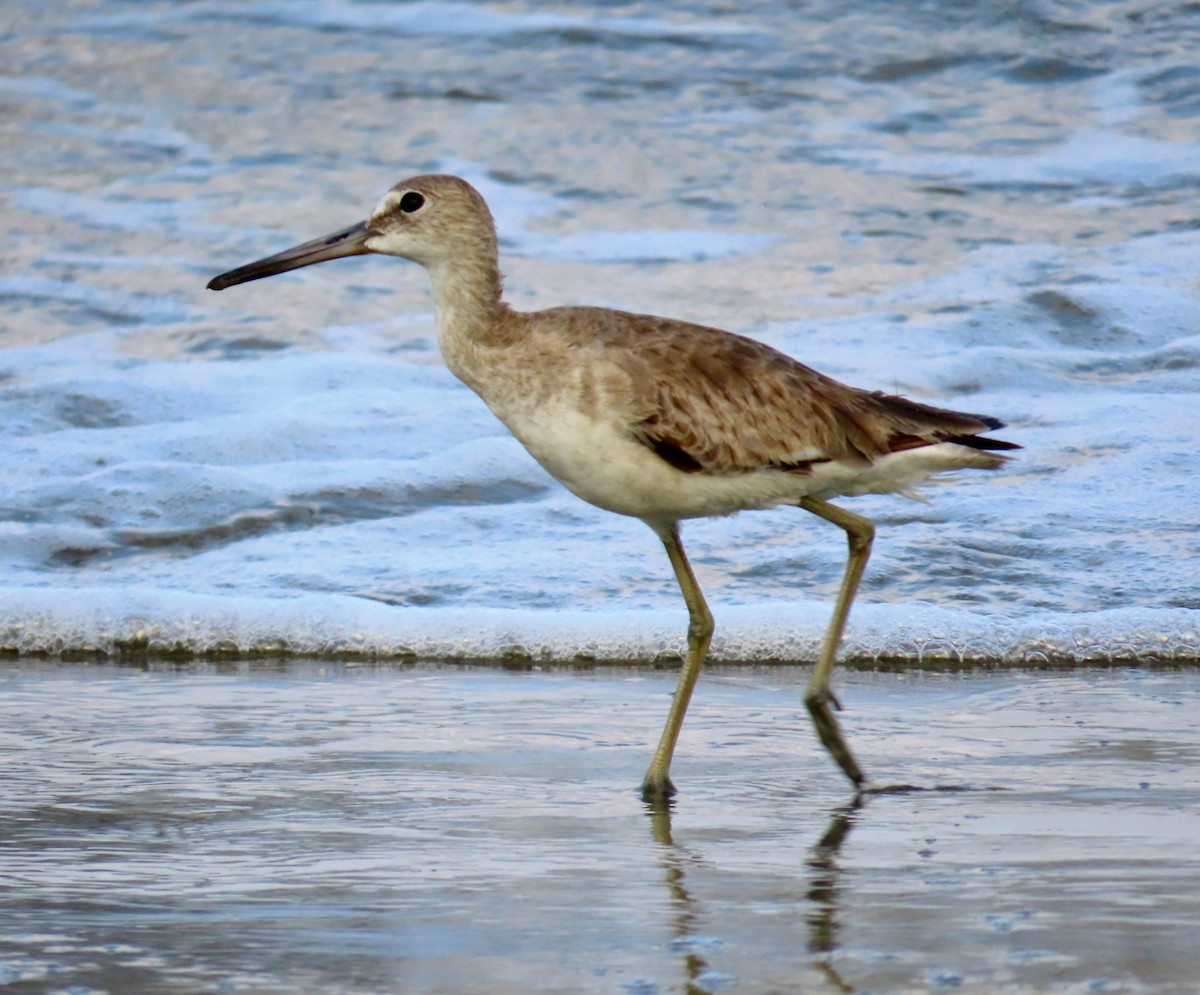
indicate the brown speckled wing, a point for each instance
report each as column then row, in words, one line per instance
column 725, row 404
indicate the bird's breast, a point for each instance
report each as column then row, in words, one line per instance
column 604, row 464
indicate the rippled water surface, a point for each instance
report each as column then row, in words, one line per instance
column 327, row 828
column 990, row 207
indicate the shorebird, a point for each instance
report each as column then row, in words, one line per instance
column 659, row 419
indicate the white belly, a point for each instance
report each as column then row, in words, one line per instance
column 600, row 463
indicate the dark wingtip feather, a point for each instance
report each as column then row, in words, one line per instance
column 982, row 442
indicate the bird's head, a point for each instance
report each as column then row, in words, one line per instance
column 431, row 220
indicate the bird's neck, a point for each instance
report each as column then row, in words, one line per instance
column 466, row 295
column 471, row 317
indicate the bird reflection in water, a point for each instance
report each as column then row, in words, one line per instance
column 824, row 891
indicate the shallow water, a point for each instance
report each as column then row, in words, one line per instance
column 990, row 207
column 337, row 828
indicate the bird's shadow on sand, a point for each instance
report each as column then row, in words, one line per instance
column 873, row 790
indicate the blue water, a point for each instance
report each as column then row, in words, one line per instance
column 991, row 208
column 987, row 206
column 323, row 827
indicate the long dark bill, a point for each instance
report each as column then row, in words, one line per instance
column 350, row 241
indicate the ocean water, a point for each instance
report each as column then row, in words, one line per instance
column 355, row 827
column 989, row 207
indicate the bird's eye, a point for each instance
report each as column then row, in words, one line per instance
column 411, row 201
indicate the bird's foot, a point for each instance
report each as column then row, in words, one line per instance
column 826, row 695
column 830, row 734
column 879, row 788
column 657, row 790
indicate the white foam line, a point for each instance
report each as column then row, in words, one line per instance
column 63, row 622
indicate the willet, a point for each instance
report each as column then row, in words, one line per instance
column 659, row 419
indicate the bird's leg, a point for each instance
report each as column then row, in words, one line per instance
column 860, row 533
column 657, row 785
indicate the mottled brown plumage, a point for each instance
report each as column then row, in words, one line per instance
column 659, row 419
column 733, row 405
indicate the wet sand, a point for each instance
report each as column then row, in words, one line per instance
column 324, row 827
